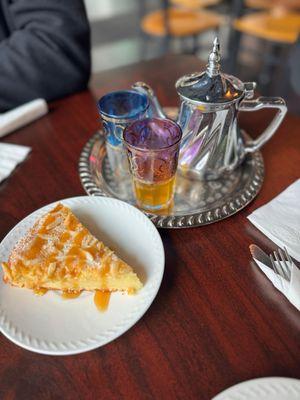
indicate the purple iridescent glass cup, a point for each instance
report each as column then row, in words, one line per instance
column 152, row 148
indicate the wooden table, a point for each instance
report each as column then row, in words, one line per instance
column 216, row 320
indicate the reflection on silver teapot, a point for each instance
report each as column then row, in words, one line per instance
column 212, row 143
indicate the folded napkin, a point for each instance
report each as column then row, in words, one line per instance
column 23, row 115
column 279, row 219
column 10, row 156
column 290, row 288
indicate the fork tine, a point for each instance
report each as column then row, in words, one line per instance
column 281, row 272
column 288, row 256
column 273, row 264
column 287, row 267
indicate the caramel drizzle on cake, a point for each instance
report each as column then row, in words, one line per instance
column 59, row 253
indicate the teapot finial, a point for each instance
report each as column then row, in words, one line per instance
column 213, row 66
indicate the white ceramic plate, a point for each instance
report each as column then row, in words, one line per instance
column 272, row 388
column 52, row 325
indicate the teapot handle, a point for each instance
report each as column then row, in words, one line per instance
column 258, row 104
column 156, row 109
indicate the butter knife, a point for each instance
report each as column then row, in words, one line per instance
column 260, row 255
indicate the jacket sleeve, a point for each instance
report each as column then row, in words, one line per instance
column 48, row 52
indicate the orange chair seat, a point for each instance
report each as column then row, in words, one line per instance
column 283, row 28
column 181, row 22
column 269, row 4
column 194, row 4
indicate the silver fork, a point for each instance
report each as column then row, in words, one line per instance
column 282, row 258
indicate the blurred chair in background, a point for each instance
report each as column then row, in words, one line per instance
column 273, row 4
column 194, row 4
column 179, row 23
column 278, row 26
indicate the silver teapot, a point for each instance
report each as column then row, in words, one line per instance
column 212, row 142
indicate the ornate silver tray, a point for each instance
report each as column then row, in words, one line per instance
column 196, row 202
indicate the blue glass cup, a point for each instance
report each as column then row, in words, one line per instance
column 118, row 110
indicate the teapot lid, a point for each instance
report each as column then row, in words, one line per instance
column 210, row 86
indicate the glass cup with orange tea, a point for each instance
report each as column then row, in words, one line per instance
column 152, row 147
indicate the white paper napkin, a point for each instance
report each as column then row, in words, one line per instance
column 291, row 289
column 279, row 219
column 23, row 115
column 10, row 156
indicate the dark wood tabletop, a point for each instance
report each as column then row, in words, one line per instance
column 216, row 320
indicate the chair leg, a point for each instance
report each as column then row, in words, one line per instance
column 235, row 37
column 269, row 67
column 233, row 51
column 143, row 50
column 182, row 42
column 194, row 44
column 165, row 44
column 282, row 85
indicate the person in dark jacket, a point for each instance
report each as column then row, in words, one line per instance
column 44, row 50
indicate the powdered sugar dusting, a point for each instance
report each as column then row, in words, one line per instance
column 64, row 254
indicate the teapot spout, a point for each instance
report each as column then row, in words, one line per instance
column 156, row 109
